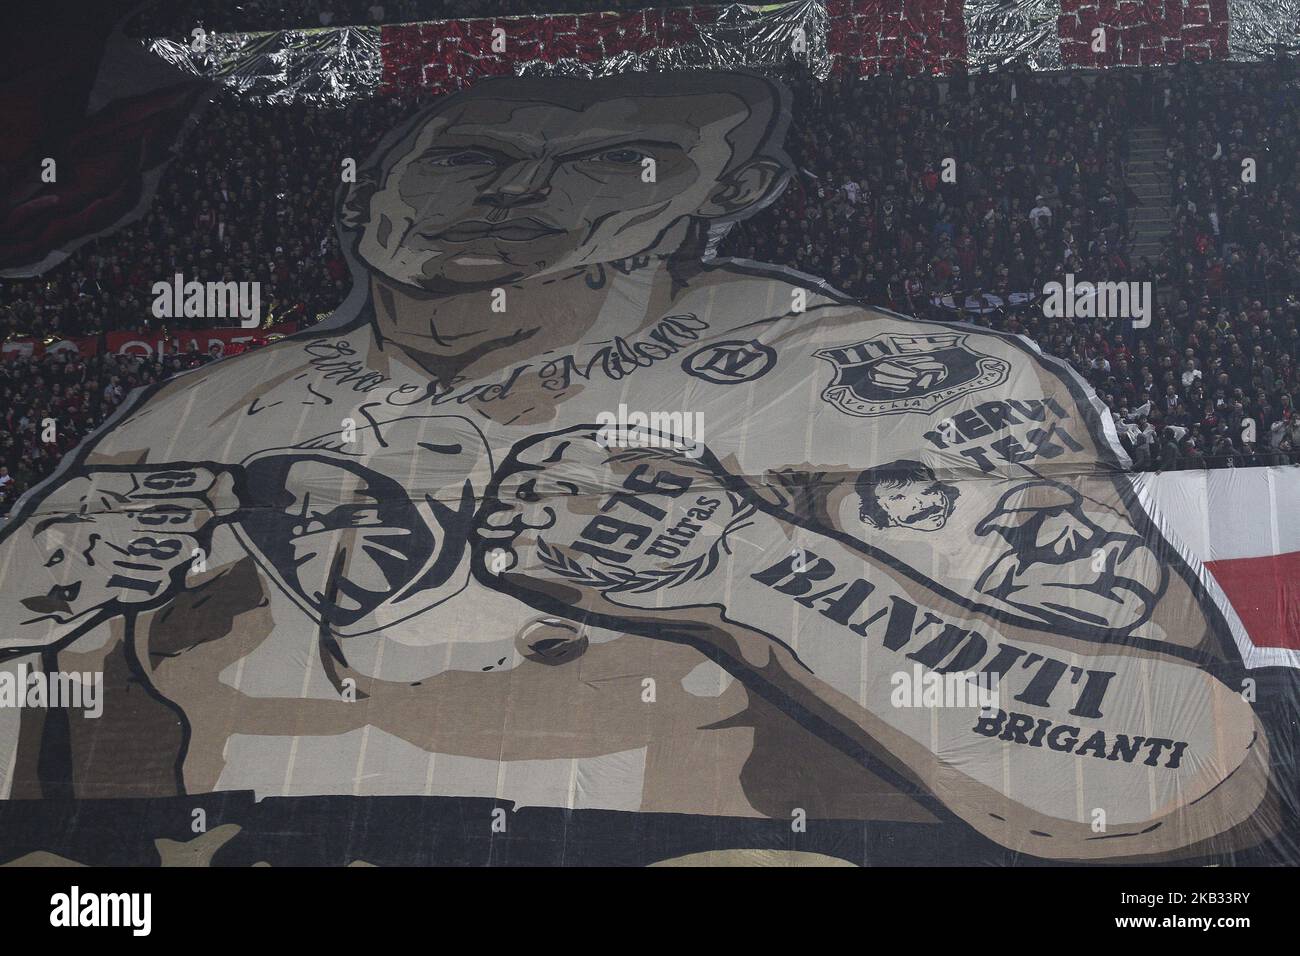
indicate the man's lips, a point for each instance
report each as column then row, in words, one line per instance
column 513, row 230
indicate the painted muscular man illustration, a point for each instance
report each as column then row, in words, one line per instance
column 390, row 555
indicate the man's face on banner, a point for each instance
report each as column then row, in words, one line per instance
column 497, row 189
column 921, row 506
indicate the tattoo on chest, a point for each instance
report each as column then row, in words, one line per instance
column 339, row 364
column 334, row 360
column 597, row 278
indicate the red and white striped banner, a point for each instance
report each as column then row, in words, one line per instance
column 1243, row 525
column 833, row 37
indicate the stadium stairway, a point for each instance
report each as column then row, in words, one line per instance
column 1148, row 177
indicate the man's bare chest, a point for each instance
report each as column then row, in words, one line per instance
column 678, row 376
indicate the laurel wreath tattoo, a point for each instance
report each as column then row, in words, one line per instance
column 611, row 578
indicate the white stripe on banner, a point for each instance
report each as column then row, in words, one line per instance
column 1231, row 513
column 1237, row 514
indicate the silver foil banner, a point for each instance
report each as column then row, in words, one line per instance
column 1258, row 28
column 999, row 32
column 741, row 36
column 311, row 66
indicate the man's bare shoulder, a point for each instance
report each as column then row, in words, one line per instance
column 755, row 289
column 788, row 301
column 759, row 293
column 200, row 398
column 875, row 361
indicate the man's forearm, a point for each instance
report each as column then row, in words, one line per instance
column 1077, row 727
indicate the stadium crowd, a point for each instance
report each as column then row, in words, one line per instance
column 50, row 404
column 1036, row 189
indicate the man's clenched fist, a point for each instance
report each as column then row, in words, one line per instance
column 120, row 537
column 907, row 373
column 588, row 507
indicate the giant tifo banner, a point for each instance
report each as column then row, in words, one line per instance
column 560, row 542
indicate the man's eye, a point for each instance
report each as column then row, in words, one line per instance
column 620, row 157
column 464, row 157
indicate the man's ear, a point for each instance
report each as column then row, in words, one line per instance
column 745, row 186
column 354, row 211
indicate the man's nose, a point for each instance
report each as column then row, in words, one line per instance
column 522, row 184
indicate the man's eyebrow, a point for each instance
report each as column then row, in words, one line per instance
column 57, row 519
column 619, row 142
column 530, row 143
column 482, row 134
